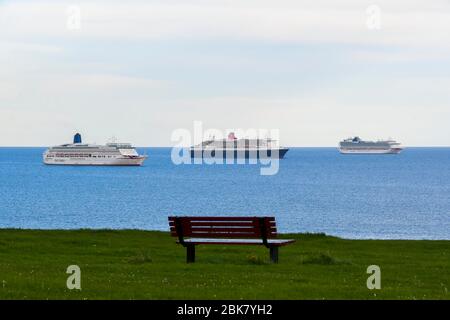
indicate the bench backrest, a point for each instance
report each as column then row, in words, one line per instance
column 223, row 227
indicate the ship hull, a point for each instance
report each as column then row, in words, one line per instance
column 239, row 154
column 369, row 151
column 138, row 161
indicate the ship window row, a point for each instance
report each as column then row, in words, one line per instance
column 73, row 155
column 371, row 148
column 78, row 155
column 240, row 144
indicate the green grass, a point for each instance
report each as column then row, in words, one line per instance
column 149, row 265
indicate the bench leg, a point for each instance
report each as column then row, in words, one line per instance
column 274, row 254
column 190, row 253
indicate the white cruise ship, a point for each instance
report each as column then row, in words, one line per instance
column 357, row 146
column 77, row 153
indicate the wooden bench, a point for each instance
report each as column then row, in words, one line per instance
column 192, row 231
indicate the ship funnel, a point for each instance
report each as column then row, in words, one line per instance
column 77, row 138
column 231, row 136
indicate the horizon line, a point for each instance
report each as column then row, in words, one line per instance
column 165, row 147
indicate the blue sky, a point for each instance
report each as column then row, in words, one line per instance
column 138, row 70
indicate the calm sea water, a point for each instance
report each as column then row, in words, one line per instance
column 316, row 190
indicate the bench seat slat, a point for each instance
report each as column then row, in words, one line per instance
column 226, row 234
column 251, row 219
column 273, row 242
column 223, row 223
column 199, row 234
column 223, row 229
column 223, row 235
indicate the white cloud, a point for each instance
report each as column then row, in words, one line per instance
column 403, row 22
column 12, row 48
column 104, row 83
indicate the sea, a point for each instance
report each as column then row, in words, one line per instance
column 316, row 190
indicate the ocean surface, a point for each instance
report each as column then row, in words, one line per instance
column 404, row 196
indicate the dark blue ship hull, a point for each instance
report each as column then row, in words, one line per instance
column 279, row 153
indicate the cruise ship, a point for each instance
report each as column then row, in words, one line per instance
column 357, row 146
column 238, row 148
column 77, row 153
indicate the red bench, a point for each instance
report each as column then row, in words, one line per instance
column 192, row 231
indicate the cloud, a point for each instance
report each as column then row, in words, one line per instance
column 403, row 22
column 17, row 47
column 106, row 83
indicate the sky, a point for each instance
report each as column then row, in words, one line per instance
column 318, row 71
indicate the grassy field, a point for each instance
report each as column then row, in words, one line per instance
column 149, row 265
